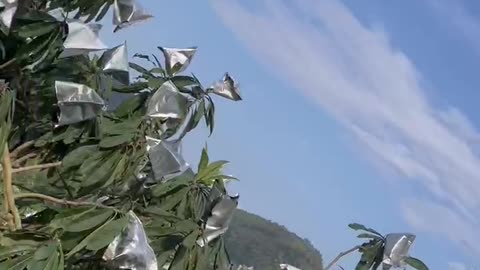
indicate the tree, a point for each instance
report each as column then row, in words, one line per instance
column 390, row 250
column 87, row 187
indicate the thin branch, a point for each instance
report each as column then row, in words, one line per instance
column 9, row 200
column 47, row 198
column 37, row 167
column 22, row 147
column 7, row 63
column 340, row 255
column 18, row 161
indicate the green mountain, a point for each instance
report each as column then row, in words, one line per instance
column 254, row 241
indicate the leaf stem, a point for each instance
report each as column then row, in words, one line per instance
column 37, row 167
column 44, row 197
column 9, row 200
column 22, row 147
column 341, row 255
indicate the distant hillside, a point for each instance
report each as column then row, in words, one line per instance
column 255, row 241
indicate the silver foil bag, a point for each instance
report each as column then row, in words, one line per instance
column 285, row 266
column 9, row 10
column 219, row 220
column 115, row 63
column 77, row 102
column 227, row 88
column 131, row 250
column 167, row 102
column 166, row 159
column 82, row 39
column 177, row 60
column 396, row 249
column 128, row 12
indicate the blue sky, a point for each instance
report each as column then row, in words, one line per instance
column 352, row 112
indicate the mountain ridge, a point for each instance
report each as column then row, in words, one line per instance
column 255, row 241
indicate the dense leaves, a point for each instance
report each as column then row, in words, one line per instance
column 72, row 210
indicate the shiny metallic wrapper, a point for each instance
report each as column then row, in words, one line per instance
column 82, row 39
column 285, row 266
column 131, row 250
column 396, row 249
column 115, row 63
column 219, row 220
column 9, row 10
column 227, row 88
column 166, row 159
column 128, row 12
column 77, row 102
column 177, row 60
column 168, row 102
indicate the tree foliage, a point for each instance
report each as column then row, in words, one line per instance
column 69, row 189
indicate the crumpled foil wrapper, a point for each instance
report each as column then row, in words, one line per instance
column 166, row 159
column 396, row 249
column 168, row 102
column 82, row 39
column 115, row 63
column 285, row 266
column 9, row 10
column 128, row 12
column 219, row 220
column 131, row 250
column 77, row 102
column 177, row 60
column 227, row 88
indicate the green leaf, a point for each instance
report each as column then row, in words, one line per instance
column 416, row 263
column 36, row 29
column 44, row 252
column 203, row 159
column 19, row 263
column 180, row 260
column 112, row 141
column 78, row 156
column 68, row 216
column 368, row 235
column 86, row 240
column 132, row 88
column 357, row 227
column 89, row 220
column 189, row 241
column 139, row 68
column 107, row 233
column 131, row 105
column 103, row 12
column 211, row 170
column 163, row 189
column 155, row 82
column 99, row 170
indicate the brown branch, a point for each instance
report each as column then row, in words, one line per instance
column 57, row 201
column 7, row 63
column 22, row 147
column 18, row 161
column 37, row 167
column 340, row 255
column 9, row 200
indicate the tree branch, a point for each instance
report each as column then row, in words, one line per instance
column 9, row 200
column 340, row 255
column 37, row 167
column 18, row 161
column 47, row 198
column 22, row 147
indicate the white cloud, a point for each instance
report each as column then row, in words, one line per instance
column 456, row 15
column 355, row 74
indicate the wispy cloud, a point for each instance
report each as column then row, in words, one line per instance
column 456, row 15
column 356, row 74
